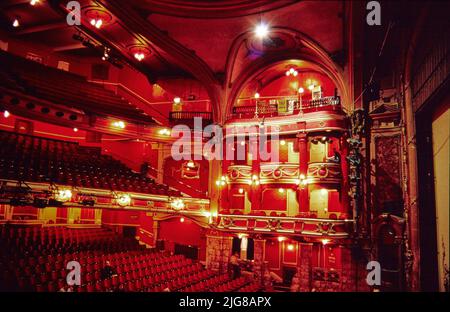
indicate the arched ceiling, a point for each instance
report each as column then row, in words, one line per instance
column 210, row 42
column 209, row 9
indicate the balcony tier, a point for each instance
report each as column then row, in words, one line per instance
column 313, row 227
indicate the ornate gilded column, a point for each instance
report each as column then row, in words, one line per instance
column 256, row 168
column 303, row 198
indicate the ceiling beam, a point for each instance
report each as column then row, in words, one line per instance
column 69, row 47
column 40, row 28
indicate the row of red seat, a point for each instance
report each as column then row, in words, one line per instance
column 28, row 158
column 64, row 88
column 138, row 269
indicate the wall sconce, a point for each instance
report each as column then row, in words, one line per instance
column 222, row 181
column 254, row 180
column 123, row 200
column 302, row 181
column 177, row 204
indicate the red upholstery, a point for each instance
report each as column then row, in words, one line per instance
column 138, row 268
column 36, row 159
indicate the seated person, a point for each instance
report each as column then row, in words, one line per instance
column 108, row 271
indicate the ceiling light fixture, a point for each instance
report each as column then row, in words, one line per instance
column 262, row 30
column 97, row 23
column 292, row 72
column 139, row 56
column 33, row 2
column 16, row 23
column 164, row 131
column 119, row 124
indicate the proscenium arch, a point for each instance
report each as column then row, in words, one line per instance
column 309, row 51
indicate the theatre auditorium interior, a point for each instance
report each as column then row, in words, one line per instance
column 134, row 138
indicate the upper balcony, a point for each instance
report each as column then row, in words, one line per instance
column 283, row 106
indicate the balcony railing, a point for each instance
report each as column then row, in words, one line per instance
column 318, row 172
column 239, row 174
column 279, row 173
column 273, row 106
column 188, row 117
column 324, row 172
column 314, row 227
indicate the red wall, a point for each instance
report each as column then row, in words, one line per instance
column 121, row 217
column 185, row 233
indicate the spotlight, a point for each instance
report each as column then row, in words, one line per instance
column 325, row 241
column 6, row 114
column 241, row 191
column 177, row 100
column 311, row 87
column 282, row 142
column 16, row 23
column 262, row 30
column 75, row 129
column 33, row 2
column 257, row 95
column 281, row 190
column 290, row 247
column 40, row 202
column 77, row 37
column 301, row 90
column 281, row 238
column 181, row 219
column 88, row 202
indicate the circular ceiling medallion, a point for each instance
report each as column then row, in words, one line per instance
column 137, row 48
column 95, row 13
